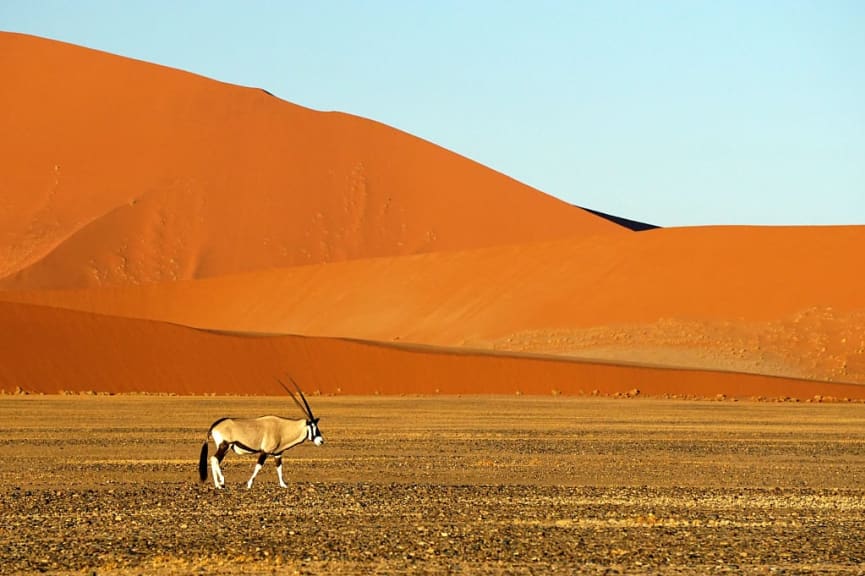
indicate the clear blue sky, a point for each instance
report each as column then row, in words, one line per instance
column 672, row 112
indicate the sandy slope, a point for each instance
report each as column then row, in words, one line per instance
column 781, row 301
column 56, row 350
column 118, row 171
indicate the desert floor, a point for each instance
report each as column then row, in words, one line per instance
column 404, row 485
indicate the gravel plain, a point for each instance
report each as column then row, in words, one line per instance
column 418, row 485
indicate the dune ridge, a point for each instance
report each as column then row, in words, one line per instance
column 165, row 232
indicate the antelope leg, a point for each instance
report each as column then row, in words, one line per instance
column 258, row 466
column 278, row 459
column 218, row 477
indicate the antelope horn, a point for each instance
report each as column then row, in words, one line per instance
column 293, row 397
column 302, row 397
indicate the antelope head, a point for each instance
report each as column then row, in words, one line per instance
column 312, row 431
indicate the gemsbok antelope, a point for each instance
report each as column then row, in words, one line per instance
column 265, row 436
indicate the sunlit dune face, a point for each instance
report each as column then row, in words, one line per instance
column 137, row 173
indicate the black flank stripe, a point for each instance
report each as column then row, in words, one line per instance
column 247, row 448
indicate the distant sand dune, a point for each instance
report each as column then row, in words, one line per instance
column 161, row 231
column 62, row 350
column 674, row 297
column 118, row 171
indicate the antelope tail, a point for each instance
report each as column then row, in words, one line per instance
column 202, row 462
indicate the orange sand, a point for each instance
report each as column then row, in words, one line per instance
column 118, row 171
column 165, row 201
column 61, row 350
column 720, row 298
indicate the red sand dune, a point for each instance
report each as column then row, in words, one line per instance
column 117, row 171
column 164, row 201
column 62, row 350
column 722, row 298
